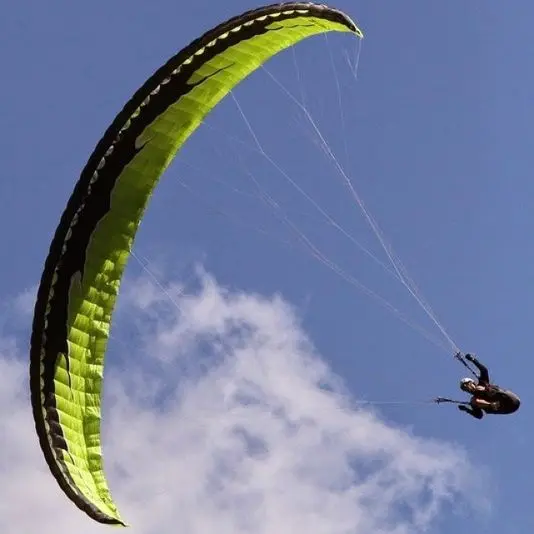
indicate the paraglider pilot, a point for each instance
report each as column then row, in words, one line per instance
column 486, row 397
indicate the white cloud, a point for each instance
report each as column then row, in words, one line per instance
column 226, row 420
column 24, row 302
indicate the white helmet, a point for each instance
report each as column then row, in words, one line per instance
column 464, row 383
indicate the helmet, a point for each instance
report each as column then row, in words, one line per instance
column 465, row 383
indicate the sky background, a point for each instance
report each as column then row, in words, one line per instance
column 435, row 134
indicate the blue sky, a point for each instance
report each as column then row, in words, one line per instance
column 435, row 136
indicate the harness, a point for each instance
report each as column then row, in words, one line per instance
column 503, row 401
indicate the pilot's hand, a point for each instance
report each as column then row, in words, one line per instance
column 469, row 357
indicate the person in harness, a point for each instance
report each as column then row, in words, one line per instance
column 486, row 397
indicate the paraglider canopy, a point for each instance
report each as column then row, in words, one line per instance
column 92, row 243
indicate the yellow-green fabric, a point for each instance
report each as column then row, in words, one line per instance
column 92, row 244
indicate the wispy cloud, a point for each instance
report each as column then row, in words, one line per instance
column 24, row 302
column 225, row 419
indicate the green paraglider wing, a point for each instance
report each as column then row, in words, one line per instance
column 92, row 243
